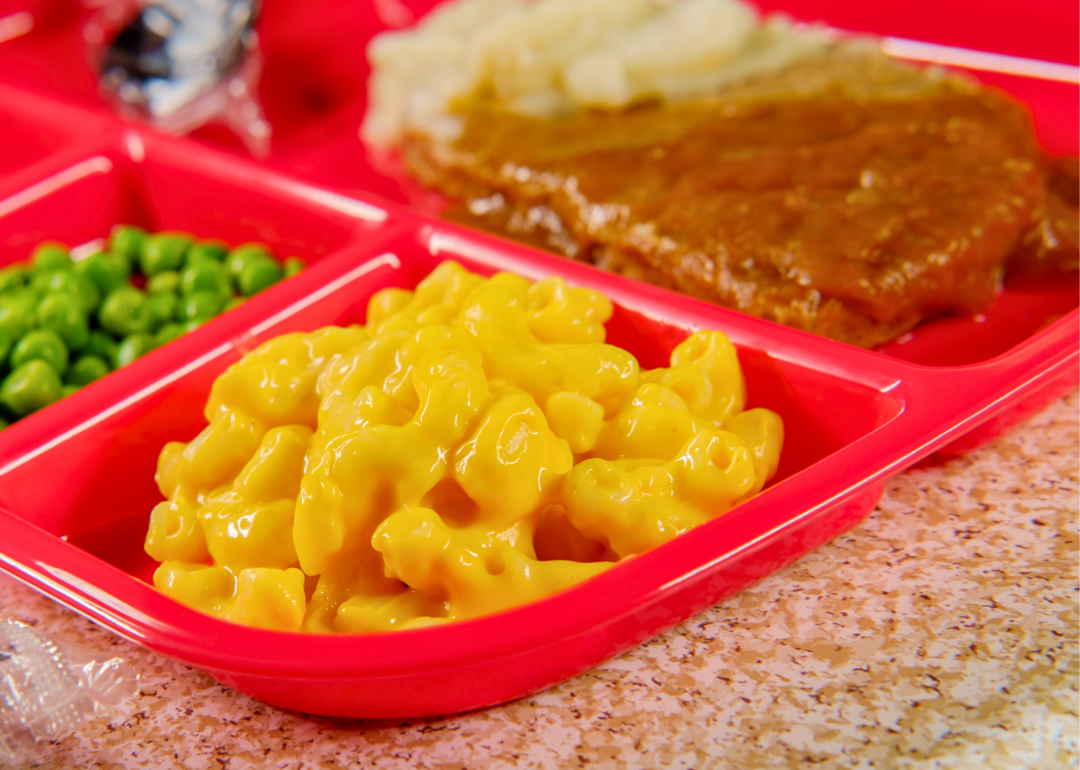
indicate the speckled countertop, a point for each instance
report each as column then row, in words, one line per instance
column 941, row 633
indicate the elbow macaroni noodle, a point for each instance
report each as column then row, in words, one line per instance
column 473, row 447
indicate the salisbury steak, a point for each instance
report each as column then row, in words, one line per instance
column 850, row 217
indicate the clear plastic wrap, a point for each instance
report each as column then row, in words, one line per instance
column 48, row 688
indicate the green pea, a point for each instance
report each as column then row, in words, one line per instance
column 45, row 281
column 85, row 370
column 210, row 250
column 13, row 277
column 162, row 309
column 42, row 344
column 5, row 345
column 259, row 274
column 18, row 312
column 30, row 387
column 88, row 292
column 239, row 257
column 199, row 306
column 164, row 251
column 4, row 423
column 50, row 256
column 101, row 345
column 191, row 326
column 131, row 347
column 232, row 302
column 168, row 333
column 206, row 276
column 67, row 390
column 39, row 282
column 125, row 311
column 62, row 314
column 68, row 282
column 293, row 266
column 126, row 242
column 167, row 282
column 106, row 270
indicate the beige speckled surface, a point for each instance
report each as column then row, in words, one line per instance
column 941, row 633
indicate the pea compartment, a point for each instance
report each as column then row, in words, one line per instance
column 83, row 316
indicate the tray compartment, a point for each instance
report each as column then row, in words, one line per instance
column 90, row 529
column 158, row 185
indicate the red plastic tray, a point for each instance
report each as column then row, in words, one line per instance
column 76, row 479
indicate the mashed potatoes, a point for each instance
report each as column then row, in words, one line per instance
column 553, row 57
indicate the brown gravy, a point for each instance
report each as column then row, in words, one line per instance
column 847, row 217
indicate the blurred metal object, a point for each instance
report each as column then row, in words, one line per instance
column 182, row 63
column 176, row 50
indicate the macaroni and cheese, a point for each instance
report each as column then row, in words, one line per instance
column 475, row 446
